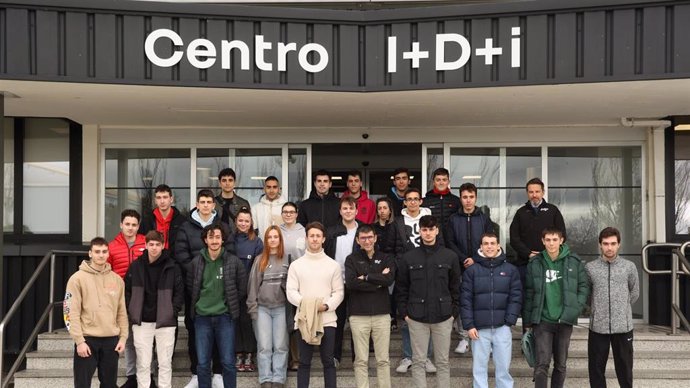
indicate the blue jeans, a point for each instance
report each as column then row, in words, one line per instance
column 212, row 330
column 500, row 342
column 406, row 342
column 271, row 333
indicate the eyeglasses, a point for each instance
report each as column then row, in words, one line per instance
column 366, row 238
column 413, row 199
column 289, row 212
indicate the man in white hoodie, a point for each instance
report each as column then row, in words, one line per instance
column 266, row 212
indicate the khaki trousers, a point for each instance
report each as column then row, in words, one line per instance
column 143, row 344
column 378, row 327
column 419, row 338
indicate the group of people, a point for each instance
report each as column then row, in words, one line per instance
column 424, row 264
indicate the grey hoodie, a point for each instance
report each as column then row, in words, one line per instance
column 615, row 287
column 295, row 240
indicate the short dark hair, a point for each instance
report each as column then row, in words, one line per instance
column 490, row 235
column 551, row 230
column 227, row 172
column 401, row 170
column 130, row 213
column 271, row 178
column 347, row 200
column 413, row 190
column 163, row 188
column 356, row 173
column 535, row 181
column 322, row 172
column 440, row 171
column 290, row 203
column 154, row 235
column 609, row 231
column 204, row 193
column 208, row 229
column 365, row 228
column 97, row 241
column 315, row 225
column 467, row 186
column 428, row 221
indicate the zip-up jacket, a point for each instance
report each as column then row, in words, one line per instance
column 234, row 282
column 491, row 293
column 189, row 242
column 386, row 236
column 428, row 284
column 247, row 250
column 122, row 255
column 366, row 209
column 233, row 206
column 94, row 304
column 169, row 227
column 442, row 206
column 575, row 288
column 169, row 293
column 325, row 210
column 526, row 228
column 332, row 234
column 266, row 213
column 398, row 202
column 615, row 287
column 464, row 232
column 368, row 296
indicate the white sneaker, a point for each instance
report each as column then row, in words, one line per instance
column 463, row 347
column 217, row 381
column 404, row 365
column 429, row 367
column 193, row 383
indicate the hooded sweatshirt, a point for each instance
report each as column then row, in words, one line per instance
column 412, row 224
column 325, row 210
column 94, row 304
column 366, row 208
column 267, row 213
column 295, row 240
column 267, row 288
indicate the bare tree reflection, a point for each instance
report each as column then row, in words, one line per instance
column 681, row 215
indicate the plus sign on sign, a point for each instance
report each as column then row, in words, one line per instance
column 443, row 41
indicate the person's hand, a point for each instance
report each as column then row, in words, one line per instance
column 83, row 350
column 386, row 271
column 468, row 262
column 323, row 308
column 533, row 253
column 120, row 347
column 473, row 333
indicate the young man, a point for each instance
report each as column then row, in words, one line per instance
column 228, row 203
column 366, row 209
column 267, row 211
column 322, row 205
column 340, row 243
column 368, row 274
column 154, row 292
column 615, row 287
column 490, row 303
column 217, row 283
column 440, row 200
column 165, row 218
column 401, row 182
column 96, row 293
column 127, row 246
column 556, row 292
column 316, row 280
column 464, row 231
column 428, row 291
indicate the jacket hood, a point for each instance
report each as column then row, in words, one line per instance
column 164, row 260
column 84, row 266
column 363, row 195
column 314, row 195
column 268, row 202
column 207, row 257
column 423, row 211
column 395, row 193
column 563, row 252
column 296, row 228
column 433, row 193
column 495, row 262
column 196, row 218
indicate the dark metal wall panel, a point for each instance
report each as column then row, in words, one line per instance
column 623, row 43
column 403, row 74
column 563, row 54
column 374, row 62
column 297, row 33
column 654, row 40
column 454, row 77
column 427, row 41
column 347, row 72
column 132, row 48
column 505, row 70
column 323, row 35
column 105, row 46
column 594, row 60
column 18, row 48
column 189, row 30
column 76, row 49
column 163, row 49
column 271, row 34
column 681, row 33
column 47, row 57
column 535, row 59
column 481, row 72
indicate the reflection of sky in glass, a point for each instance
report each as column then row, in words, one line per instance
column 148, row 168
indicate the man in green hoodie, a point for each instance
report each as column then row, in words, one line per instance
column 556, row 291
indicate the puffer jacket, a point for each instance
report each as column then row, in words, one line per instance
column 491, row 293
column 188, row 243
column 234, row 281
column 122, row 255
column 442, row 206
column 464, row 232
column 575, row 288
column 325, row 210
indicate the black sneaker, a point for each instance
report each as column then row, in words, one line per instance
column 130, row 383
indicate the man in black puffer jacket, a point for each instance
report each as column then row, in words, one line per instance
column 490, row 301
column 441, row 201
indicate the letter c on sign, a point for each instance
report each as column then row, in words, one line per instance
column 151, row 52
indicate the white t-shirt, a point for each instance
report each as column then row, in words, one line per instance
column 343, row 248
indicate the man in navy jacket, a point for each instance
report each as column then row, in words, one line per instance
column 490, row 303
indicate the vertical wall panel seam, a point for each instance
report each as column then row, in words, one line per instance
column 311, row 56
column 361, row 36
column 32, row 41
column 62, row 44
column 336, row 54
column 119, row 47
column 257, row 72
column 414, row 37
column 440, row 75
column 203, row 33
column 639, row 40
column 550, row 46
column 468, row 36
column 387, row 77
column 176, row 69
column 148, row 27
column 579, row 44
column 523, row 48
column 669, row 41
column 495, row 66
column 608, row 43
column 230, row 33
column 91, row 45
column 3, row 29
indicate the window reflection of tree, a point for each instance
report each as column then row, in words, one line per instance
column 152, row 172
column 682, row 212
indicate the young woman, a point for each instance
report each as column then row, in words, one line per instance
column 386, row 235
column 266, row 303
column 248, row 246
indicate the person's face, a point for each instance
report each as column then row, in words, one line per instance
column 348, row 212
column 163, row 200
column 401, row 181
column 413, row 201
column 383, row 210
column 322, row 184
column 490, row 247
column 354, row 184
column 552, row 243
column 99, row 254
column 154, row 248
column 272, row 190
column 441, row 182
column 129, row 227
column 243, row 222
column 205, row 206
column 214, row 240
column 609, row 247
column 289, row 214
column 273, row 239
column 366, row 241
column 227, row 183
column 315, row 240
column 535, row 193
column 468, row 200
column 428, row 235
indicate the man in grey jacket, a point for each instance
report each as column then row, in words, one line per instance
column 615, row 288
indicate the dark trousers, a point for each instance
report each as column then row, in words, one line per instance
column 551, row 339
column 522, row 270
column 598, row 354
column 306, row 352
column 341, row 312
column 191, row 335
column 103, row 357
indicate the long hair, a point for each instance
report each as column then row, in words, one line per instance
column 266, row 254
column 390, row 208
column 251, row 233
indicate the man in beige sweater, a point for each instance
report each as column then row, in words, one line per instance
column 96, row 318
column 315, row 275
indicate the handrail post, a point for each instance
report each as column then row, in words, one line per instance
column 51, row 294
column 2, row 346
column 674, row 292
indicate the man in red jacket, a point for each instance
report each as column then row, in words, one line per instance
column 366, row 209
column 127, row 246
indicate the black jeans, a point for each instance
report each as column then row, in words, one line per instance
column 598, row 354
column 103, row 357
column 341, row 312
column 551, row 339
column 326, row 350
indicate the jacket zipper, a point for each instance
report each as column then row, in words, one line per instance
column 469, row 238
column 610, row 331
column 491, row 276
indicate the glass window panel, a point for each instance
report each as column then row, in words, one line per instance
column 522, row 164
column 682, row 183
column 477, row 165
column 117, row 200
column 297, row 171
column 434, row 160
column 46, row 176
column 594, row 166
column 209, row 162
column 8, row 194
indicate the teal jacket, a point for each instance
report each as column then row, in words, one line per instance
column 575, row 288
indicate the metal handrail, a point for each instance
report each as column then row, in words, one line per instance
column 50, row 256
column 645, row 265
